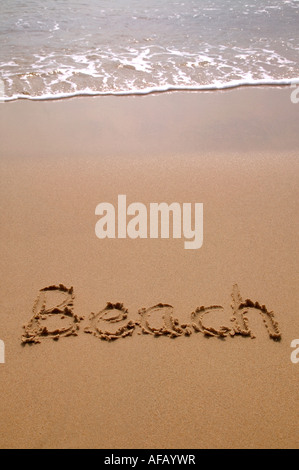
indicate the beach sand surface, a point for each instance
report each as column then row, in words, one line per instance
column 234, row 151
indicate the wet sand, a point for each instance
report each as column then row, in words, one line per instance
column 237, row 153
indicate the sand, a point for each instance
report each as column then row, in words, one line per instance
column 237, row 153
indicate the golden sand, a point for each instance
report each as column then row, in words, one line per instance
column 198, row 379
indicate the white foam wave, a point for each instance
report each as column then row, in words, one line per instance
column 162, row 89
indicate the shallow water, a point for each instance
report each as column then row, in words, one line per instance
column 63, row 48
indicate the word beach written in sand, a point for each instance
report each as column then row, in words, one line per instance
column 159, row 221
column 54, row 317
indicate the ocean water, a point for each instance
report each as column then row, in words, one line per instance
column 58, row 48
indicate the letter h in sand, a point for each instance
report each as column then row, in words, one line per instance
column 240, row 319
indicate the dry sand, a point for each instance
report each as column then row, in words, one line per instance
column 237, row 152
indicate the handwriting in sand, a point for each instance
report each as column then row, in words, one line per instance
column 54, row 317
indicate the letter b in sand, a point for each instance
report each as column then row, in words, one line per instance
column 2, row 352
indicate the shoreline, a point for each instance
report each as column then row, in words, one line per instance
column 273, row 83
